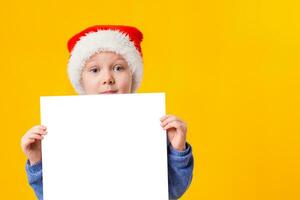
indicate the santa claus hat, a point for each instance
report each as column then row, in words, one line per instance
column 123, row 40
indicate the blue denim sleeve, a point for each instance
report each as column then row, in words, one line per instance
column 180, row 170
column 35, row 178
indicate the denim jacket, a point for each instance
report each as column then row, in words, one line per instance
column 180, row 172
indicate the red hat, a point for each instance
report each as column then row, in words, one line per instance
column 123, row 40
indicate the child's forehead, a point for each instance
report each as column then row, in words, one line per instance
column 106, row 54
column 105, row 57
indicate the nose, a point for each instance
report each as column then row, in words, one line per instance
column 108, row 79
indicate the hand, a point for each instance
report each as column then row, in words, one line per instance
column 31, row 143
column 176, row 131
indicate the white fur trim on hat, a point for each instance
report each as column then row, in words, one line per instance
column 104, row 40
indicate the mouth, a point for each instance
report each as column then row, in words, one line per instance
column 109, row 92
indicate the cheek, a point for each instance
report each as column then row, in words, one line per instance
column 89, row 84
column 124, row 84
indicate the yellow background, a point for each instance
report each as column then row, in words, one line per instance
column 229, row 68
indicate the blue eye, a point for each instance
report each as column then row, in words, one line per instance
column 118, row 68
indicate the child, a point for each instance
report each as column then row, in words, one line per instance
column 108, row 60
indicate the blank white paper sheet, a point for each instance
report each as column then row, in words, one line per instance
column 108, row 147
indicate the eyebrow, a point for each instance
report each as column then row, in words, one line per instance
column 92, row 63
column 120, row 59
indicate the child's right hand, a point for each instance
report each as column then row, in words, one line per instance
column 31, row 143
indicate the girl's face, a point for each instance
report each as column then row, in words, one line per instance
column 106, row 73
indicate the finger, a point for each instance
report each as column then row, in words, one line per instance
column 168, row 120
column 43, row 126
column 36, row 136
column 27, row 142
column 174, row 124
column 168, row 116
column 30, row 141
column 39, row 132
column 164, row 117
column 38, row 128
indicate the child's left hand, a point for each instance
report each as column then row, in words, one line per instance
column 176, row 131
